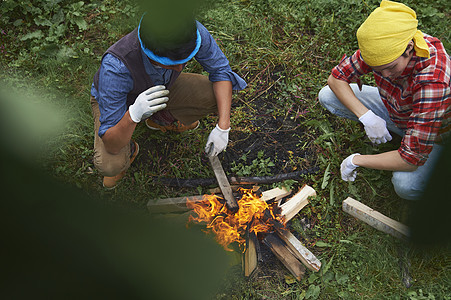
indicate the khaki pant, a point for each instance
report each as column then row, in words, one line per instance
column 190, row 98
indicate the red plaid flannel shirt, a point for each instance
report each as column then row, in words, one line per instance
column 418, row 101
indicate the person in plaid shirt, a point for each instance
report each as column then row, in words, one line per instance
column 412, row 99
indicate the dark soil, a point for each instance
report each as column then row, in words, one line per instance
column 275, row 126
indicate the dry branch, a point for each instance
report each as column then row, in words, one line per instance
column 194, row 182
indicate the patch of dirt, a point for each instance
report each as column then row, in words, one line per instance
column 271, row 124
column 278, row 136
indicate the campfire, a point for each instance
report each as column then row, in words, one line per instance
column 253, row 216
column 262, row 217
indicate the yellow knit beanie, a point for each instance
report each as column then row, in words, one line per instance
column 385, row 34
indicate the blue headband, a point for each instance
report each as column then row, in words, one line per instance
column 166, row 60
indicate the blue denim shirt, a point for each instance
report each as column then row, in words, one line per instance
column 115, row 80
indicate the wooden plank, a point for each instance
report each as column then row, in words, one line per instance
column 275, row 193
column 293, row 205
column 300, row 251
column 375, row 218
column 250, row 254
column 288, row 259
column 223, row 183
column 169, row 205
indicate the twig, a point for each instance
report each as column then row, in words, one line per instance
column 266, row 89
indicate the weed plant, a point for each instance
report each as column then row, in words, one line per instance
column 56, row 46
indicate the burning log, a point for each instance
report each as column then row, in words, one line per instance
column 292, row 206
column 230, row 227
column 288, row 259
column 259, row 214
column 375, row 218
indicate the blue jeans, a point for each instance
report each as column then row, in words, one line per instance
column 408, row 185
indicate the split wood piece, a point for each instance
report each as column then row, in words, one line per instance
column 224, row 184
column 293, row 205
column 172, row 205
column 302, row 253
column 250, row 259
column 275, row 194
column 288, row 259
column 375, row 218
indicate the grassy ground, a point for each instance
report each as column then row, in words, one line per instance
column 285, row 51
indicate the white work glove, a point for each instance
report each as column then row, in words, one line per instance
column 375, row 128
column 217, row 141
column 148, row 102
column 348, row 168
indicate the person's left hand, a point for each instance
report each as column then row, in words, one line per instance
column 348, row 168
column 217, row 141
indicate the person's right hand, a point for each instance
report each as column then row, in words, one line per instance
column 148, row 102
column 375, row 128
column 348, row 168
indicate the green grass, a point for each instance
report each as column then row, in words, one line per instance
column 285, row 50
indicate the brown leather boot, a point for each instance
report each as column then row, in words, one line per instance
column 111, row 182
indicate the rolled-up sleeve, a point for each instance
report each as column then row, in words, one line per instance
column 351, row 68
column 115, row 82
column 214, row 62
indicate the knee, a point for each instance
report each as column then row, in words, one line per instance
column 110, row 167
column 325, row 96
column 407, row 187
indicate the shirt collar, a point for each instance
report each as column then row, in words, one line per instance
column 410, row 66
column 148, row 66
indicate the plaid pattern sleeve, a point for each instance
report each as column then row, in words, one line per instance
column 351, row 68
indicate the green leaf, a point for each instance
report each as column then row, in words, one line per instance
column 18, row 22
column 312, row 292
column 326, row 177
column 341, row 278
column 312, row 278
column 327, row 266
column 80, row 22
column 332, row 194
column 322, row 244
column 289, row 279
column 346, row 242
column 41, row 21
column 32, row 35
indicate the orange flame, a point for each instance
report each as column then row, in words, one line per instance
column 229, row 227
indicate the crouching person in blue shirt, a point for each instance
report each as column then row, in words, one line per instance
column 140, row 79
